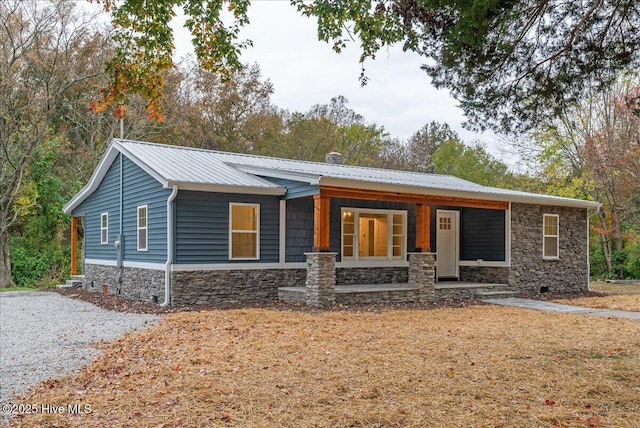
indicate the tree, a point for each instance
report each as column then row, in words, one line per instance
column 424, row 143
column 511, row 64
column 470, row 163
column 41, row 62
column 592, row 151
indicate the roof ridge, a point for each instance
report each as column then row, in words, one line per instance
column 431, row 174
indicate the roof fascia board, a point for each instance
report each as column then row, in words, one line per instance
column 96, row 178
column 312, row 179
column 217, row 188
column 518, row 198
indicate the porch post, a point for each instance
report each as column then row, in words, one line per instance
column 321, row 279
column 423, row 227
column 74, row 245
column 422, row 274
column 321, row 213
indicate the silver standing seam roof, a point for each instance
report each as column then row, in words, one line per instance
column 208, row 170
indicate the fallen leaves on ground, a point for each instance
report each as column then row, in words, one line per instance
column 260, row 367
column 623, row 297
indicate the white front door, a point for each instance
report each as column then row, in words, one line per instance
column 447, row 243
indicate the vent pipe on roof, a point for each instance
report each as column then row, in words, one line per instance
column 334, row 158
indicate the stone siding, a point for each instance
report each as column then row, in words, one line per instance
column 231, row 286
column 321, row 279
column 381, row 297
column 529, row 271
column 372, row 275
column 484, row 274
column 145, row 285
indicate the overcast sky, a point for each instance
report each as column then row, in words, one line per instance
column 305, row 71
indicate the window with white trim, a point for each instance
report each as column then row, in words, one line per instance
column 550, row 236
column 244, row 231
column 143, row 216
column 104, row 228
column 373, row 234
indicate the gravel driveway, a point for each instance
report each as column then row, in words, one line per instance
column 44, row 334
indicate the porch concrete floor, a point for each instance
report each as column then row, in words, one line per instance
column 369, row 288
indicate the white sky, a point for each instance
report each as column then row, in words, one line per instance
column 305, row 71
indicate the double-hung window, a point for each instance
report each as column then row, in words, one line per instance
column 104, row 228
column 373, row 234
column 244, row 231
column 550, row 236
column 143, row 214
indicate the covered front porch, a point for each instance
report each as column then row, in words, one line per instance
column 374, row 246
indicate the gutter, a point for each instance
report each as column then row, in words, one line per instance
column 167, row 266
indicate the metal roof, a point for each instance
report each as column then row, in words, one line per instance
column 208, row 170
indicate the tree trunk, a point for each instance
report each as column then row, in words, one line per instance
column 606, row 242
column 5, row 266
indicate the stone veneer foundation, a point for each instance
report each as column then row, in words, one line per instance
column 372, row 275
column 146, row 285
column 231, row 286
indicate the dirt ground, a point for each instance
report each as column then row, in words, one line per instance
column 287, row 366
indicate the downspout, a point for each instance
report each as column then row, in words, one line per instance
column 167, row 266
column 120, row 247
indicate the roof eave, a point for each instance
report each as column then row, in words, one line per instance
column 221, row 188
column 483, row 195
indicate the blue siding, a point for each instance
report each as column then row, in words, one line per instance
column 105, row 199
column 202, row 227
column 295, row 189
column 142, row 189
column 299, row 229
column 139, row 189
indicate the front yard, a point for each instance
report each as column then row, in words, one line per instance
column 624, row 297
column 262, row 367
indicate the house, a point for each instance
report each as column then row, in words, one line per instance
column 177, row 225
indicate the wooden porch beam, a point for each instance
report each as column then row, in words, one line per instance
column 423, row 228
column 74, row 245
column 321, row 223
column 378, row 195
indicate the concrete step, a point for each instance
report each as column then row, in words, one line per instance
column 75, row 282
column 481, row 295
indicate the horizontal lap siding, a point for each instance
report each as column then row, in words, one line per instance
column 105, row 199
column 202, row 227
column 142, row 189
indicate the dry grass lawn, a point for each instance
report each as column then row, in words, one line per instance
column 482, row 366
column 625, row 297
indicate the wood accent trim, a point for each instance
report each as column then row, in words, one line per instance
column 74, row 245
column 321, row 223
column 376, row 195
column 423, row 228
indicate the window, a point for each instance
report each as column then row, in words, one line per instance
column 550, row 237
column 244, row 231
column 376, row 234
column 104, row 228
column 143, row 214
